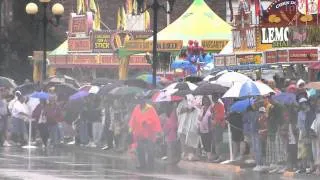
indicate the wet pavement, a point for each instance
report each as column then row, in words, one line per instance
column 65, row 163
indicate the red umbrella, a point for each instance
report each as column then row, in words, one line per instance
column 162, row 96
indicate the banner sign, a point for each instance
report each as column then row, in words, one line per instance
column 78, row 23
column 225, row 60
column 304, row 35
column 79, row 44
column 101, row 42
column 244, row 39
column 245, row 59
column 140, row 45
column 213, row 45
column 277, row 56
column 219, row 61
column 303, row 55
column 85, row 59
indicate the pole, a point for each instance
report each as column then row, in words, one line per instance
column 155, row 8
column 168, row 14
column 45, row 24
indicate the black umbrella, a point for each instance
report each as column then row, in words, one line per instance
column 209, row 89
column 27, row 88
column 104, row 90
column 104, row 81
column 63, row 91
column 136, row 83
column 193, row 79
column 7, row 82
column 62, row 79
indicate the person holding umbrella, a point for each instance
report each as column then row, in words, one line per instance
column 145, row 126
column 40, row 117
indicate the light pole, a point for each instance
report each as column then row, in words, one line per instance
column 155, row 6
column 57, row 11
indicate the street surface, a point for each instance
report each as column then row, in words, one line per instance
column 70, row 163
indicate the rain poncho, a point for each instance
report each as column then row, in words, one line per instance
column 316, row 143
column 187, row 119
column 145, row 123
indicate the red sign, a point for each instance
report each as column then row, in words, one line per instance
column 137, row 60
column 277, row 56
column 85, row 59
column 79, row 44
column 78, row 24
column 303, row 55
column 109, row 60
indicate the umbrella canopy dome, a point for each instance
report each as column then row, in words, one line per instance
column 241, row 106
column 198, row 22
column 248, row 89
column 181, row 86
column 126, row 90
column 7, row 82
column 228, row 79
column 209, row 89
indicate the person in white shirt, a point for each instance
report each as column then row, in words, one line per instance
column 3, row 119
column 19, row 113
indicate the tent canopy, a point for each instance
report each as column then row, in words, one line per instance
column 198, row 22
column 61, row 50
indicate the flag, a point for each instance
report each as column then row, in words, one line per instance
column 146, row 20
column 123, row 18
column 93, row 6
column 307, row 6
column 97, row 19
column 119, row 18
column 129, row 5
column 81, row 8
column 257, row 5
column 135, row 7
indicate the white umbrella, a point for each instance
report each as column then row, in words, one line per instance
column 230, row 78
column 246, row 89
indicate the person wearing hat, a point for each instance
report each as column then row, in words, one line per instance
column 259, row 139
column 18, row 113
column 145, row 125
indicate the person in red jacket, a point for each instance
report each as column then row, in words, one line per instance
column 218, row 123
column 145, row 126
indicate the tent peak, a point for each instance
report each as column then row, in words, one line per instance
column 198, row 2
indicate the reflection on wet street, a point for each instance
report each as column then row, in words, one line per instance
column 63, row 163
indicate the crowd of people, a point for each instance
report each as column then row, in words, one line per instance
column 279, row 135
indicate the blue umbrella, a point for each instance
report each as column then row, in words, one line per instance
column 40, row 95
column 78, row 95
column 180, row 64
column 241, row 106
column 285, row 98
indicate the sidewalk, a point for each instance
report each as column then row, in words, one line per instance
column 194, row 165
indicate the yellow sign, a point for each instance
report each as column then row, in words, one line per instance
column 212, row 45
column 162, row 46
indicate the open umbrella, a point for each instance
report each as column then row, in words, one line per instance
column 228, row 79
column 241, row 106
column 247, row 89
column 104, row 90
column 193, row 79
column 181, row 86
column 27, row 88
column 7, row 82
column 63, row 91
column 313, row 85
column 40, row 95
column 79, row 95
column 163, row 96
column 209, row 89
column 148, row 78
column 126, row 90
column 136, row 83
column 104, row 81
column 285, row 98
column 63, row 79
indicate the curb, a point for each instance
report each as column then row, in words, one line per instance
column 203, row 166
column 195, row 165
